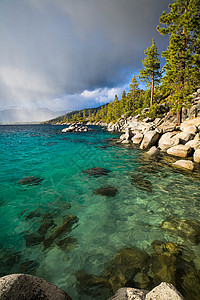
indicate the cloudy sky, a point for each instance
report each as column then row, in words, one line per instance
column 72, row 54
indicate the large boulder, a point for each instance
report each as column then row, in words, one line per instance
column 23, row 286
column 184, row 164
column 195, row 144
column 137, row 138
column 180, row 151
column 164, row 291
column 185, row 137
column 168, row 140
column 189, row 129
column 125, row 265
column 150, row 138
column 196, row 156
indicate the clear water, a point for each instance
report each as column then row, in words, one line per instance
column 105, row 224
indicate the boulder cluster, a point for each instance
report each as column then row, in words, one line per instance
column 76, row 128
column 162, row 135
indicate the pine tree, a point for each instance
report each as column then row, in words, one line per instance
column 182, row 55
column 150, row 74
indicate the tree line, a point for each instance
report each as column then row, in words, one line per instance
column 171, row 86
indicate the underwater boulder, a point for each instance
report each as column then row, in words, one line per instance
column 97, row 171
column 124, row 266
column 33, row 239
column 67, row 243
column 30, row 180
column 92, row 285
column 64, row 228
column 139, row 181
column 168, row 263
column 108, row 190
column 187, row 229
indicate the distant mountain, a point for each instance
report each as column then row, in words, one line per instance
column 69, row 115
column 28, row 115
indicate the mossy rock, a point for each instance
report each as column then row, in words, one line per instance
column 187, row 229
column 92, row 285
column 124, row 266
column 159, row 246
column 169, row 264
column 143, row 281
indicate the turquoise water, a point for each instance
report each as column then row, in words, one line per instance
column 105, row 224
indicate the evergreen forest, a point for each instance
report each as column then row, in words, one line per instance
column 169, row 88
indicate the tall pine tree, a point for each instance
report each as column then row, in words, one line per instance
column 183, row 53
column 151, row 74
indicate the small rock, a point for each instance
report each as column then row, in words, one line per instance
column 30, row 180
column 125, row 142
column 109, row 191
column 97, row 171
column 185, row 164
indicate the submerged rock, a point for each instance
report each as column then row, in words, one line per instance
column 30, row 180
column 97, row 171
column 109, row 191
column 140, row 182
column 29, row 266
column 187, row 229
column 124, row 266
column 129, row 294
column 64, row 228
column 170, row 265
column 92, row 284
column 33, row 239
column 67, row 243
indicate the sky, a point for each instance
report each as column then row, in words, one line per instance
column 72, row 54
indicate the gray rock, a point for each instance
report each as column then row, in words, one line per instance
column 195, row 144
column 180, row 151
column 123, row 137
column 150, row 138
column 168, row 140
column 125, row 142
column 137, row 138
column 153, row 151
column 164, row 291
column 189, row 129
column 24, row 287
column 185, row 164
column 196, row 156
column 184, row 137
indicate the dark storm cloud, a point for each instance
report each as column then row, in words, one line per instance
column 53, row 48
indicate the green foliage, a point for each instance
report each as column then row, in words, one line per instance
column 183, row 53
column 150, row 74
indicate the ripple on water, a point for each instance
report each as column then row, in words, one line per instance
column 35, row 235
